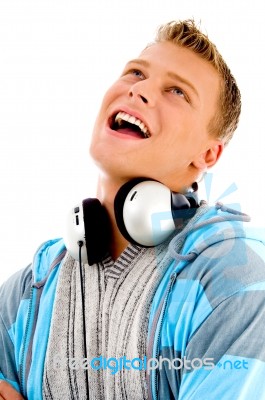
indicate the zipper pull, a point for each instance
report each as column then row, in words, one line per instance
column 173, row 278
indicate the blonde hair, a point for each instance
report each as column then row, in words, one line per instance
column 187, row 34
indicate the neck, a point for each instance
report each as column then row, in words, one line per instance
column 106, row 192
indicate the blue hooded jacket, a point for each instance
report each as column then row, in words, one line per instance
column 206, row 320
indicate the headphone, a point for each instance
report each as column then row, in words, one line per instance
column 146, row 213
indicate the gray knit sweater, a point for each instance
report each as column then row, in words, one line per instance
column 118, row 296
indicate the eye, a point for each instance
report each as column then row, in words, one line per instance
column 137, row 73
column 177, row 91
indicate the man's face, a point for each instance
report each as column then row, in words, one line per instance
column 153, row 120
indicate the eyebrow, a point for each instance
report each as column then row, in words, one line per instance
column 171, row 74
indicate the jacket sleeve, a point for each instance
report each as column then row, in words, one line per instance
column 14, row 298
column 231, row 342
column 215, row 326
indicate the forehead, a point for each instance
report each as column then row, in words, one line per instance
column 173, row 56
column 171, row 59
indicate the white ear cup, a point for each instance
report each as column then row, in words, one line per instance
column 75, row 232
column 147, row 213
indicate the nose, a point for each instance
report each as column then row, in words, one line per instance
column 143, row 92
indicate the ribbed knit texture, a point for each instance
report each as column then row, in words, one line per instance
column 117, row 304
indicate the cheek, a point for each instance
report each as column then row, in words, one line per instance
column 187, row 136
column 111, row 94
column 103, row 112
column 107, row 98
column 177, row 148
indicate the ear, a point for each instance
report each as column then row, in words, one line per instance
column 210, row 157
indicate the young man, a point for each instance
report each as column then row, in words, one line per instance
column 181, row 320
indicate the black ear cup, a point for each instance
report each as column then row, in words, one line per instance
column 97, row 230
column 179, row 202
column 88, row 223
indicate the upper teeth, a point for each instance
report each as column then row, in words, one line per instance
column 129, row 118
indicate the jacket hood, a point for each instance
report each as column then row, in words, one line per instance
column 209, row 226
column 47, row 257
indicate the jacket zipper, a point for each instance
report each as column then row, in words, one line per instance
column 173, row 278
column 22, row 362
column 25, row 345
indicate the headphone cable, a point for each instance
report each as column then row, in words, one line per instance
column 80, row 244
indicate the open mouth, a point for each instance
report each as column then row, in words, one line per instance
column 129, row 125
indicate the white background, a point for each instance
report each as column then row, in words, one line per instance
column 56, row 60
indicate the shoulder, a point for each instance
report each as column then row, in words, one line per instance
column 18, row 287
column 12, row 292
column 221, row 255
column 48, row 256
